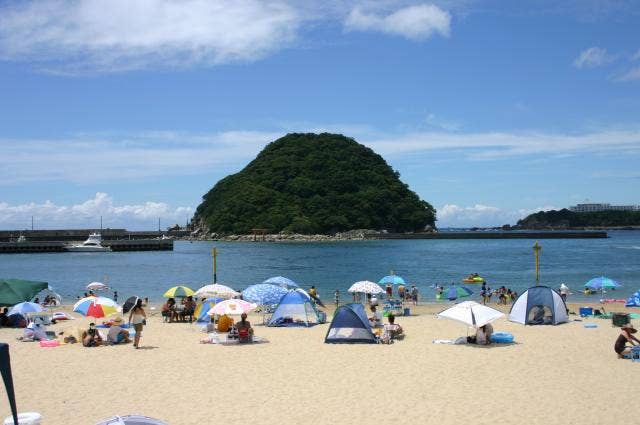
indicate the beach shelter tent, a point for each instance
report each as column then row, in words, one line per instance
column 633, row 300
column 350, row 325
column 201, row 313
column 295, row 309
column 14, row 291
column 539, row 305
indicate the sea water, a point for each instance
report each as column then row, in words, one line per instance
column 337, row 265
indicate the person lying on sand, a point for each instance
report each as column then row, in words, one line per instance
column 626, row 335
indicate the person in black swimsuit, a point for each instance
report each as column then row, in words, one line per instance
column 626, row 335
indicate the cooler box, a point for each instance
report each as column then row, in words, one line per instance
column 586, row 311
column 620, row 319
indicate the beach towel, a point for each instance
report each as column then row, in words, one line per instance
column 457, row 341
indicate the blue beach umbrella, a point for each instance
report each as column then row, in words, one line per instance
column 601, row 283
column 264, row 294
column 392, row 279
column 281, row 281
column 25, row 308
column 455, row 292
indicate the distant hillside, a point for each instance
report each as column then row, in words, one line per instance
column 314, row 183
column 565, row 219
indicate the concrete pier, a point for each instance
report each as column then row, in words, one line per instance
column 59, row 246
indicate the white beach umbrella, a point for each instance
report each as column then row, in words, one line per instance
column 216, row 290
column 97, row 286
column 471, row 314
column 366, row 287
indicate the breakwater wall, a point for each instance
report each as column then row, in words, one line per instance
column 82, row 234
column 491, row 235
column 27, row 247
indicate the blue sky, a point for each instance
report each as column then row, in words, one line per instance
column 489, row 110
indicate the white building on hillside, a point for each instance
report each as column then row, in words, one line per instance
column 581, row 208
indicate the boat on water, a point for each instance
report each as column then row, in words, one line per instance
column 92, row 244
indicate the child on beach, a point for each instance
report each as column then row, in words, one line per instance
column 626, row 335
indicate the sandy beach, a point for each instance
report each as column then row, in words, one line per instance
column 552, row 375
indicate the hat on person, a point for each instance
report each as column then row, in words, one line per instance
column 117, row 320
column 629, row 328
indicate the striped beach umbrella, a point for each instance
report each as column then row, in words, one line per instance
column 178, row 291
column 232, row 307
column 96, row 307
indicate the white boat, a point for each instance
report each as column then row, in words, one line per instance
column 92, row 244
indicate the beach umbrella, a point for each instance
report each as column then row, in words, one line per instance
column 392, row 279
column 132, row 420
column 232, row 307
column 96, row 307
column 48, row 292
column 128, row 304
column 178, row 291
column 601, row 283
column 264, row 294
column 216, row 290
column 25, row 308
column 281, row 281
column 455, row 292
column 97, row 286
column 471, row 314
column 14, row 291
column 365, row 287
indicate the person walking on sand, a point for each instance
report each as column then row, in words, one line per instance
column 414, row 294
column 138, row 318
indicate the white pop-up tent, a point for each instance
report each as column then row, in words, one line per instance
column 539, row 305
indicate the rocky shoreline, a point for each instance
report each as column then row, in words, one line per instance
column 360, row 234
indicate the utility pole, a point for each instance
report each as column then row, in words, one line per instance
column 536, row 252
column 32, row 223
column 214, row 254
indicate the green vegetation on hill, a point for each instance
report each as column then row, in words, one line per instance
column 569, row 219
column 314, row 183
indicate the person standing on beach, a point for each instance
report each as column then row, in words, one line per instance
column 401, row 290
column 389, row 291
column 138, row 318
column 336, row 298
column 414, row 294
column 115, row 296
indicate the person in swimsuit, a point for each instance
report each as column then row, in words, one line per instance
column 138, row 318
column 626, row 335
column 91, row 337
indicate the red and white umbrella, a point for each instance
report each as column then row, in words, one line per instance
column 232, row 307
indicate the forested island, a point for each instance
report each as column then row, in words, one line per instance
column 566, row 219
column 309, row 183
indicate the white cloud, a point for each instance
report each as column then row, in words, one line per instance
column 76, row 36
column 479, row 215
column 87, row 214
column 636, row 56
column 496, row 145
column 631, row 75
column 593, row 57
column 89, row 159
column 416, row 22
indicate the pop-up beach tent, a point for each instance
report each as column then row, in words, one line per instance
column 633, row 300
column 295, row 309
column 350, row 325
column 539, row 305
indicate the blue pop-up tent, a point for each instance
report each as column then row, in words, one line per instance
column 350, row 325
column 295, row 309
column 634, row 300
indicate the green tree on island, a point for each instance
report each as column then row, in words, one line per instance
column 314, row 183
